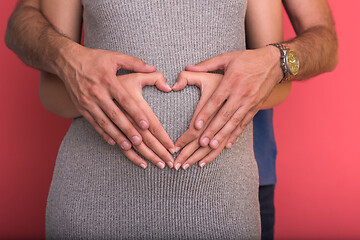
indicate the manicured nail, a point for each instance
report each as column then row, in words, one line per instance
column 170, row 164
column 160, row 165
column 135, row 140
column 202, row 164
column 175, row 85
column 186, row 166
column 177, row 149
column 177, row 166
column 168, row 87
column 199, row 124
column 205, row 141
column 143, row 166
column 144, row 124
column 111, row 141
column 228, row 145
column 125, row 145
column 149, row 66
column 214, row 143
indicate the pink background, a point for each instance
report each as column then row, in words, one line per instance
column 317, row 194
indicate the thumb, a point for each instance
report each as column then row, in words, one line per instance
column 211, row 64
column 191, row 78
column 156, row 79
column 133, row 64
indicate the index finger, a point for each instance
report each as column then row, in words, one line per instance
column 128, row 104
column 156, row 128
column 133, row 64
column 217, row 99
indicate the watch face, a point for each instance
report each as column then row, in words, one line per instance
column 293, row 62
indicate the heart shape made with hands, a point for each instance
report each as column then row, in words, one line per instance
column 206, row 82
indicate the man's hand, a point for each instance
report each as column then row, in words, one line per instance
column 89, row 75
column 249, row 78
column 92, row 84
column 193, row 152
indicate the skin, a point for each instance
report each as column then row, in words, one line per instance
column 27, row 22
column 246, row 84
column 206, row 82
column 89, row 75
column 48, row 50
column 54, row 93
column 54, row 97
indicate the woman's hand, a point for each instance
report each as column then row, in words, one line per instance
column 151, row 147
column 193, row 152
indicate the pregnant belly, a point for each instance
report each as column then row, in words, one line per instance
column 175, row 109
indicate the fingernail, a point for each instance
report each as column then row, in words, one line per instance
column 205, row 141
column 171, row 150
column 186, row 166
column 144, row 124
column 202, row 164
column 143, row 166
column 111, row 142
column 177, row 149
column 175, row 85
column 214, row 143
column 168, row 87
column 160, row 165
column 170, row 164
column 125, row 145
column 136, row 140
column 228, row 145
column 177, row 166
column 199, row 124
column 149, row 66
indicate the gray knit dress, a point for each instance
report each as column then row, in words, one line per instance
column 97, row 193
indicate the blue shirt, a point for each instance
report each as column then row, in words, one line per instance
column 265, row 146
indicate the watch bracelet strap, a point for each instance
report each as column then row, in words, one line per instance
column 279, row 45
column 282, row 49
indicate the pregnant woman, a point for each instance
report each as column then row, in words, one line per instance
column 96, row 192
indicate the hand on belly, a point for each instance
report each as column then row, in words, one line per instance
column 192, row 151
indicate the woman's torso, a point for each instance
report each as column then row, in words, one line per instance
column 97, row 193
column 168, row 34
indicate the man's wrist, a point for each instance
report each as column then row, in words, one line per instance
column 275, row 56
column 65, row 51
column 289, row 61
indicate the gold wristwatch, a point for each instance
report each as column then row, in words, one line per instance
column 289, row 61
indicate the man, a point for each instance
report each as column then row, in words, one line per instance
column 39, row 45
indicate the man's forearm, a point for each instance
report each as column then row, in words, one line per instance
column 317, row 50
column 316, row 44
column 33, row 39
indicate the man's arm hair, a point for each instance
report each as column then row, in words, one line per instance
column 316, row 43
column 33, row 38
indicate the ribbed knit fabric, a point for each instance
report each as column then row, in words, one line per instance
column 96, row 193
